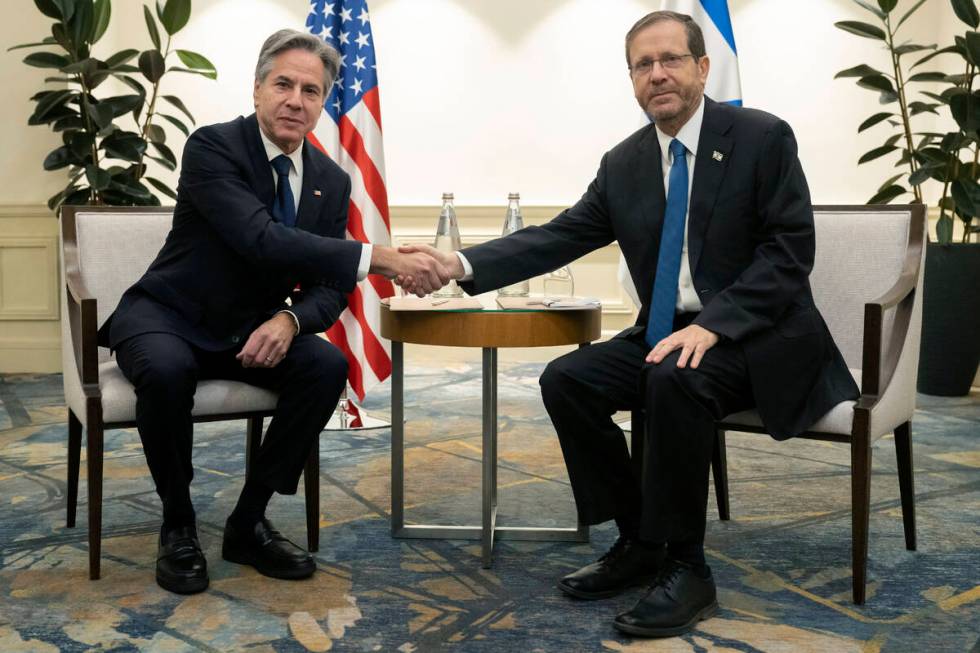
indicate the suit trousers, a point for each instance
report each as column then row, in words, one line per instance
column 164, row 370
column 668, row 494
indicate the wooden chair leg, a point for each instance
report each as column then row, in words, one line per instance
column 74, row 458
column 906, row 481
column 311, row 483
column 253, row 440
column 93, row 454
column 860, row 511
column 719, row 470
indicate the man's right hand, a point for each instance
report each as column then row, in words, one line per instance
column 423, row 272
column 449, row 260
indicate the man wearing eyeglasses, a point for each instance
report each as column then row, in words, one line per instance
column 712, row 213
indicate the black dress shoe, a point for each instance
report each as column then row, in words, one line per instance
column 181, row 566
column 264, row 548
column 627, row 564
column 677, row 601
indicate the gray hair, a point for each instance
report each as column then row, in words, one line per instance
column 291, row 39
column 695, row 39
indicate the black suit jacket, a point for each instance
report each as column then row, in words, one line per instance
column 750, row 248
column 227, row 265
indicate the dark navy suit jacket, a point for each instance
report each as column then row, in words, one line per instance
column 750, row 247
column 227, row 265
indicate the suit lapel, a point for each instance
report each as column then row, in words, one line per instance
column 265, row 184
column 711, row 163
column 649, row 184
column 311, row 197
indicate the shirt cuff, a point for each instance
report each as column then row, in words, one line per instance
column 364, row 265
column 295, row 319
column 467, row 268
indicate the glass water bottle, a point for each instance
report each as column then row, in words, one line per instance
column 514, row 222
column 447, row 240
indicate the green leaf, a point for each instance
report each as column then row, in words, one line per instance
column 151, row 27
column 923, row 173
column 862, row 70
column 162, row 187
column 909, row 13
column 210, row 74
column 966, row 196
column 124, row 145
column 81, row 144
column 944, row 230
column 174, row 100
column 966, row 111
column 916, row 108
column 165, row 152
column 887, row 195
column 47, row 41
column 152, row 65
column 156, row 134
column 966, row 10
column 102, row 12
column 97, row 178
column 57, row 159
column 121, row 57
column 66, row 122
column 124, row 184
column 81, row 25
column 927, row 77
column 894, row 138
column 132, row 83
column 888, row 182
column 101, row 114
column 166, row 164
column 195, row 61
column 176, row 123
column 874, row 120
column 887, row 5
column 973, row 47
column 861, row 29
column 58, row 9
column 46, row 60
column 122, row 104
column 913, row 47
column 52, row 101
column 950, row 49
column 888, row 97
column 870, row 7
column 175, row 15
column 876, row 83
column 83, row 67
column 871, row 155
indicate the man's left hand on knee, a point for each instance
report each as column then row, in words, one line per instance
column 692, row 340
column 268, row 344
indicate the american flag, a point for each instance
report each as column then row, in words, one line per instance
column 350, row 133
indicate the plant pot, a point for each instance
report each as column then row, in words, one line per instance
column 950, row 350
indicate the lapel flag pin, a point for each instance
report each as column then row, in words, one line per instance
column 316, row 193
column 717, row 156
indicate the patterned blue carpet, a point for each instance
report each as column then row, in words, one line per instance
column 782, row 564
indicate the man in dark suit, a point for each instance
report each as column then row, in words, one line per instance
column 721, row 256
column 258, row 211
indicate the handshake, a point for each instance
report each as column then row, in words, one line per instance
column 419, row 269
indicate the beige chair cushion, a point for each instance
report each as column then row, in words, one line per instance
column 213, row 397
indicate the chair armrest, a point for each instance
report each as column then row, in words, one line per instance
column 82, row 312
column 879, row 363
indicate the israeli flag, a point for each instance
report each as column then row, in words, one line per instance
column 723, row 85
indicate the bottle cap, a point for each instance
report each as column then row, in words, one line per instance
column 447, row 196
column 514, row 196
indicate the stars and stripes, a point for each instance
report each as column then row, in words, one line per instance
column 350, row 133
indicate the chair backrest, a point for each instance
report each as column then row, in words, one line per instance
column 115, row 247
column 860, row 254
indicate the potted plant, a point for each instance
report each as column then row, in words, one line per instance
column 109, row 140
column 908, row 89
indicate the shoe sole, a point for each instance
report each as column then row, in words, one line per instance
column 181, row 587
column 607, row 594
column 705, row 613
column 239, row 558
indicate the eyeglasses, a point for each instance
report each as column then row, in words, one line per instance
column 668, row 61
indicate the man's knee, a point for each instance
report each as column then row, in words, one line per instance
column 159, row 371
column 557, row 376
column 327, row 364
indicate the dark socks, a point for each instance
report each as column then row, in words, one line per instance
column 251, row 504
column 629, row 526
column 691, row 553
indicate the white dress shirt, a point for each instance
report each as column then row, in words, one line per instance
column 296, row 185
column 688, row 135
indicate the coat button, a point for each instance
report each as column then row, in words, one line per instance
column 706, row 291
column 236, row 339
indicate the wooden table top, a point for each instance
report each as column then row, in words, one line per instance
column 543, row 328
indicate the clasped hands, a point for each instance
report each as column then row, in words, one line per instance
column 418, row 269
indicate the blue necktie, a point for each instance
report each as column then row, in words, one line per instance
column 284, row 210
column 660, row 323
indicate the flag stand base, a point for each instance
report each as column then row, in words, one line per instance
column 350, row 417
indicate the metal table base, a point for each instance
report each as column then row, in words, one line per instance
column 488, row 531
